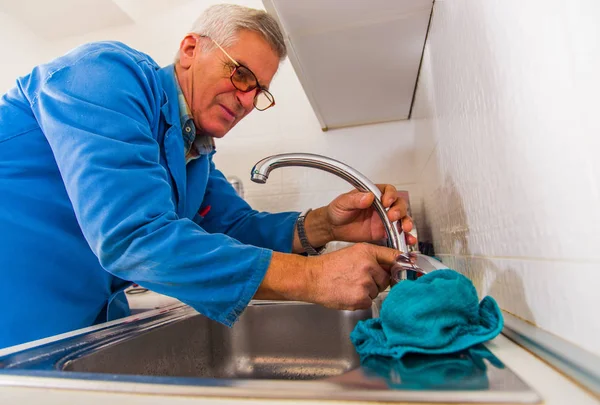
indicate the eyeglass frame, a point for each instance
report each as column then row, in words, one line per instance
column 237, row 66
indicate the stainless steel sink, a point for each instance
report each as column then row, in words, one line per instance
column 276, row 350
column 291, row 341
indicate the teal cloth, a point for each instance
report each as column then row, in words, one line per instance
column 438, row 313
column 464, row 370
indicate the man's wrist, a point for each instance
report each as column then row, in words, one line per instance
column 318, row 229
column 286, row 278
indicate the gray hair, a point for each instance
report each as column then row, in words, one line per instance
column 222, row 22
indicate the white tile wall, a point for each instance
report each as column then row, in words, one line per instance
column 507, row 142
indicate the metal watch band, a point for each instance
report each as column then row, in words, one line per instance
column 311, row 251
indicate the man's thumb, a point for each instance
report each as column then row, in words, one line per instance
column 385, row 256
column 354, row 200
column 364, row 200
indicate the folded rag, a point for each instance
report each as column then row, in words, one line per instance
column 464, row 370
column 437, row 313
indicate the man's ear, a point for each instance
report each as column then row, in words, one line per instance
column 187, row 50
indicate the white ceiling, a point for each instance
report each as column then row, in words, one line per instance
column 357, row 60
column 58, row 19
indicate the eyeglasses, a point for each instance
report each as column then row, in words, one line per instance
column 245, row 81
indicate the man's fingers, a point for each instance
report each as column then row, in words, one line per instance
column 407, row 224
column 373, row 290
column 398, row 210
column 388, row 194
column 381, row 278
column 410, row 240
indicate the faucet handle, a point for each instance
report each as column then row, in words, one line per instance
column 404, row 263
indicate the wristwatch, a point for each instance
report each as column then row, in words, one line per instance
column 308, row 248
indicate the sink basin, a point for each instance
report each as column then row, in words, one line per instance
column 291, row 341
column 287, row 350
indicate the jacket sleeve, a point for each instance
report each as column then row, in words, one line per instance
column 231, row 215
column 97, row 113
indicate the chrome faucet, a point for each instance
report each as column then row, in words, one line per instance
column 260, row 174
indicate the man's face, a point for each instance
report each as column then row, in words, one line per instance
column 217, row 106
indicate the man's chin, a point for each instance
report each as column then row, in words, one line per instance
column 216, row 131
column 219, row 134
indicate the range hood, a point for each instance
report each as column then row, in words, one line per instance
column 357, row 60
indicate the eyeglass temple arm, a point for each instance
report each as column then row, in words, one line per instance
column 221, row 48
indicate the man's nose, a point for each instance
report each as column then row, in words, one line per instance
column 246, row 99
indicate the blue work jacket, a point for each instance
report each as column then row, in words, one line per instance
column 95, row 194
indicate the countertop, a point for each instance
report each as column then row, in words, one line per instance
column 553, row 387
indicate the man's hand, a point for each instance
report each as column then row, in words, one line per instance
column 352, row 218
column 349, row 278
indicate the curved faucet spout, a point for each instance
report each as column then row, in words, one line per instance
column 260, row 174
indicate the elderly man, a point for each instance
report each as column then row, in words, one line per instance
column 107, row 178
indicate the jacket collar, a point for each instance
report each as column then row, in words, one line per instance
column 170, row 108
